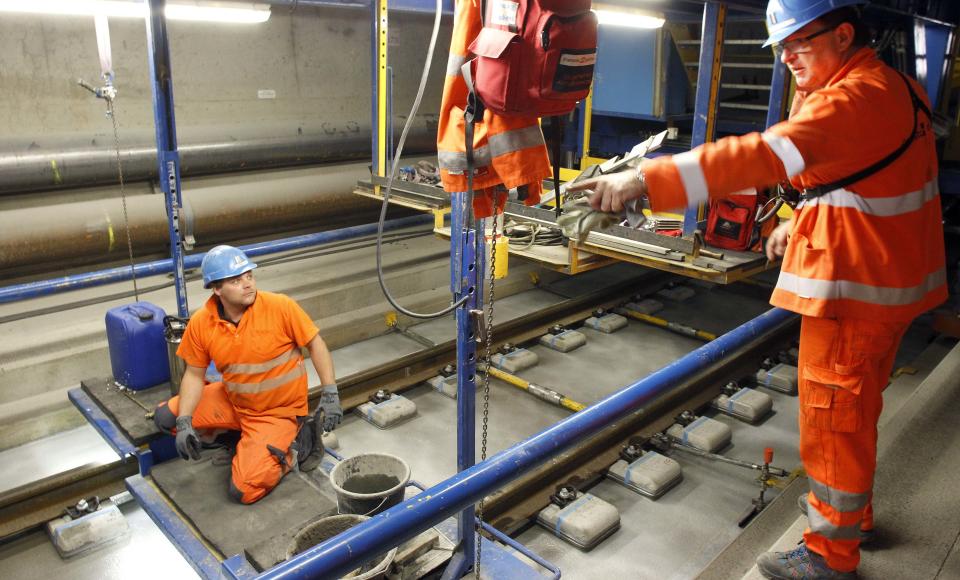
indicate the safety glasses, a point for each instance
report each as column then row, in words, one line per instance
column 799, row 45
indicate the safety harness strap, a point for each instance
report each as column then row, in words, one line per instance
column 918, row 105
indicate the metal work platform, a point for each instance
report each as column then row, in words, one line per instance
column 685, row 256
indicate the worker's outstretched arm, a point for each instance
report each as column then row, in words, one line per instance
column 329, row 395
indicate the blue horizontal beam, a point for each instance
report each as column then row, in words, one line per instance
column 101, row 422
column 340, row 554
column 203, row 561
column 157, row 267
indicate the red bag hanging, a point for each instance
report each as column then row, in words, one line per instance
column 732, row 220
column 535, row 57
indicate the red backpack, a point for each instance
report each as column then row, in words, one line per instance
column 732, row 221
column 534, row 57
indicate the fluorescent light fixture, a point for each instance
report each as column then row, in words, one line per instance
column 219, row 12
column 240, row 13
column 614, row 15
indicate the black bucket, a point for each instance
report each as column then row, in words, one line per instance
column 370, row 483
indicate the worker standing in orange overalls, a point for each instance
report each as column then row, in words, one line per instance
column 862, row 257
column 255, row 338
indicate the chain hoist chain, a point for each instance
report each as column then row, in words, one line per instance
column 111, row 112
column 488, row 351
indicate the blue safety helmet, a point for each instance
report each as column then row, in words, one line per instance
column 784, row 17
column 224, row 262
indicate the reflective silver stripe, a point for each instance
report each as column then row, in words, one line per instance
column 256, row 368
column 691, row 174
column 249, row 388
column 879, row 206
column 456, row 162
column 788, row 153
column 842, row 501
column 822, row 526
column 497, row 145
column 883, row 295
column 515, row 140
column 454, row 62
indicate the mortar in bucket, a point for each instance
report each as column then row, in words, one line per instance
column 369, row 483
column 328, row 527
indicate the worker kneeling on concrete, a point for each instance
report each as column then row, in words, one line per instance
column 255, row 338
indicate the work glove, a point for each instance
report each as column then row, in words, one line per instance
column 579, row 218
column 330, row 405
column 188, row 444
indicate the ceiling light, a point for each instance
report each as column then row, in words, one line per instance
column 614, row 15
column 207, row 11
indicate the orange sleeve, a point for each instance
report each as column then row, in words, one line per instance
column 828, row 138
column 299, row 324
column 192, row 347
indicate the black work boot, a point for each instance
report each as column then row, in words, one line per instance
column 867, row 537
column 309, row 445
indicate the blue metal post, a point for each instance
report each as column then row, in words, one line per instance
column 466, row 281
column 168, row 158
column 374, row 93
column 778, row 92
column 708, row 87
column 341, row 554
column 389, row 121
column 933, row 44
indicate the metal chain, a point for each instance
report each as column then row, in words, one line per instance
column 111, row 112
column 488, row 351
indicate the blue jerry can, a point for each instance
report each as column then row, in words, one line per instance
column 138, row 352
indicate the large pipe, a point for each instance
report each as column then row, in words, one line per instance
column 340, row 554
column 157, row 267
column 216, row 209
column 32, row 167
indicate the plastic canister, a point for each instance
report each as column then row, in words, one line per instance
column 173, row 328
column 137, row 350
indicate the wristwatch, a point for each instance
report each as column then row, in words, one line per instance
column 641, row 178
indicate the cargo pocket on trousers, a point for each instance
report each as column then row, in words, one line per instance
column 830, row 400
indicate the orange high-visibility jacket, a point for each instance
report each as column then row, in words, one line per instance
column 508, row 151
column 873, row 250
column 259, row 358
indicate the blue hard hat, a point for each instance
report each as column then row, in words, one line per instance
column 784, row 17
column 224, row 262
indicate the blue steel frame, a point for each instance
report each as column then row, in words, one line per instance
column 168, row 157
column 778, row 93
column 109, row 431
column 29, row 290
column 932, row 47
column 102, row 423
column 374, row 83
column 466, row 245
column 339, row 555
column 708, row 81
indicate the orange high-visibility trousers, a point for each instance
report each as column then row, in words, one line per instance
column 255, row 469
column 844, row 368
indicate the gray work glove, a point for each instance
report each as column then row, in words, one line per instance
column 330, row 404
column 188, row 444
column 578, row 218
